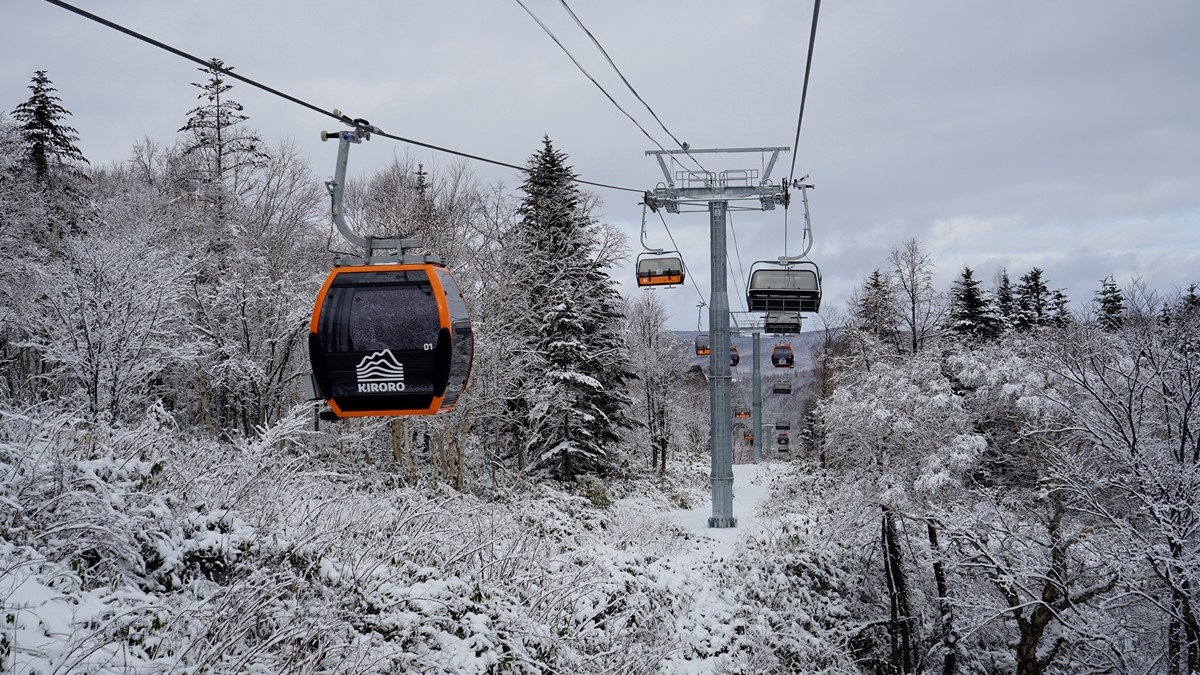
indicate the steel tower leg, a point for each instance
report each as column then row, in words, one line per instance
column 720, row 442
column 756, row 402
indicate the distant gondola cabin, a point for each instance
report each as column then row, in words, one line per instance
column 782, row 356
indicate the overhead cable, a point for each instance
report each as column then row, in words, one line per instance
column 588, row 75
column 812, row 38
column 740, row 279
column 672, row 237
column 682, row 146
column 270, row 90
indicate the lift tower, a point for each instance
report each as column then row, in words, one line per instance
column 683, row 189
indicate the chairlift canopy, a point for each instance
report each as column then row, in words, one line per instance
column 654, row 269
column 791, row 287
column 782, row 323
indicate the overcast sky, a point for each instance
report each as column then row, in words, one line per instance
column 1063, row 135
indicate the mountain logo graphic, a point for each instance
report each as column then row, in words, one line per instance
column 380, row 373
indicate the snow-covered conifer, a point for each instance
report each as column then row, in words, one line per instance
column 48, row 142
column 1005, row 303
column 228, row 153
column 1033, row 301
column 54, row 163
column 575, row 321
column 1110, row 305
column 973, row 312
column 874, row 307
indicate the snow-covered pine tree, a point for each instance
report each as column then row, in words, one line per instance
column 973, row 312
column 576, row 392
column 874, row 308
column 573, row 431
column 1006, row 306
column 53, row 161
column 49, row 143
column 229, row 153
column 1060, row 308
column 1033, row 301
column 1110, row 305
column 1191, row 301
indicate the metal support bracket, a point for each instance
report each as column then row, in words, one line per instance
column 360, row 132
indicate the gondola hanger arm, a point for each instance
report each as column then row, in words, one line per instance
column 361, row 131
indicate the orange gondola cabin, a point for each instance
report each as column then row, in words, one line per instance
column 782, row 355
column 390, row 339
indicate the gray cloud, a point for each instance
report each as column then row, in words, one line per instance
column 1062, row 134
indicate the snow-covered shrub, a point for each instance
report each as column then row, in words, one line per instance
column 83, row 495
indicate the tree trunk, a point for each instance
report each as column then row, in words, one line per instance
column 205, row 403
column 522, row 456
column 411, row 454
column 899, row 628
column 1031, row 631
column 1173, row 630
column 662, row 453
column 949, row 636
column 397, row 454
column 1053, row 597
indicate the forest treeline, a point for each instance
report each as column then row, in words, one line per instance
column 184, row 277
column 1033, row 472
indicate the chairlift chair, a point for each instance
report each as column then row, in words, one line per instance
column 655, row 269
column 787, row 287
column 782, row 323
column 781, row 387
column 741, row 413
column 735, row 357
column 782, row 440
column 703, row 347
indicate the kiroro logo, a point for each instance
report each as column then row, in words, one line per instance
column 379, row 373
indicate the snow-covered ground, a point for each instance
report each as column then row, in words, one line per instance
column 751, row 488
column 279, row 555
